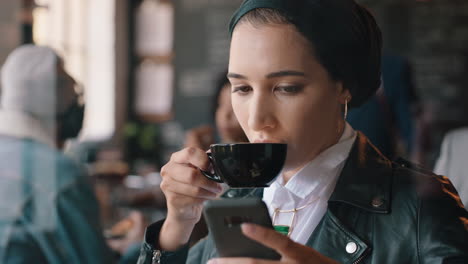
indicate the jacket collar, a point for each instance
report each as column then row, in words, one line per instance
column 365, row 181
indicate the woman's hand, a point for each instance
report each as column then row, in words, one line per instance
column 290, row 251
column 185, row 189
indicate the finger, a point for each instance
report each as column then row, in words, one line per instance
column 189, row 175
column 187, row 189
column 288, row 249
column 270, row 238
column 192, row 156
column 240, row 261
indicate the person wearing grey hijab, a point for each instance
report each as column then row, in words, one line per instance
column 48, row 211
column 38, row 91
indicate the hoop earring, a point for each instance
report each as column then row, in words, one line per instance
column 346, row 109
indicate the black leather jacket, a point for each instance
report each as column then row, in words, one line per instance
column 392, row 212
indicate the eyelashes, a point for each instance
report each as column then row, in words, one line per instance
column 289, row 89
column 282, row 89
column 241, row 89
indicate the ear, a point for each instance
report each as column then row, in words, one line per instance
column 344, row 95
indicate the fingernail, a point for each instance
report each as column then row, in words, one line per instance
column 212, row 261
column 218, row 188
column 215, row 189
column 248, row 228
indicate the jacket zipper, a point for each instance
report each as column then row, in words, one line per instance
column 364, row 254
column 156, row 257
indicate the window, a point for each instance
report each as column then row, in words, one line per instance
column 83, row 32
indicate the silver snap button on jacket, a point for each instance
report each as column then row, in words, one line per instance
column 351, row 247
column 377, row 202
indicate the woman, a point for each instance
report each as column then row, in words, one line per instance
column 295, row 67
column 226, row 122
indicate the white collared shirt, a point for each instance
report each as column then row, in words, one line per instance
column 314, row 184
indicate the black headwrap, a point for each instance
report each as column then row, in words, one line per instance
column 345, row 38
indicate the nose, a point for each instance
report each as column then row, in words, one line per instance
column 261, row 113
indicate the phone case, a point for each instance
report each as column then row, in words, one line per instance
column 224, row 218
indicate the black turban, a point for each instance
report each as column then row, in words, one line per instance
column 346, row 39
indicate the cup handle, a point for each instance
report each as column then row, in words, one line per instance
column 209, row 175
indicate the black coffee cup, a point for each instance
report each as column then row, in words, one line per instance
column 246, row 165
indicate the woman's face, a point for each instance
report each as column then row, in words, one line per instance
column 226, row 122
column 280, row 92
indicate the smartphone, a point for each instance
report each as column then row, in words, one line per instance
column 224, row 218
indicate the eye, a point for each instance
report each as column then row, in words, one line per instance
column 288, row 89
column 242, row 89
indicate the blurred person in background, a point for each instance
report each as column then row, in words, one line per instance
column 48, row 211
column 387, row 118
column 453, row 150
column 226, row 124
column 452, row 161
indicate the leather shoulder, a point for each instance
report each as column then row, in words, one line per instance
column 411, row 166
column 425, row 184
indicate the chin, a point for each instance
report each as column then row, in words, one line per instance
column 288, row 164
column 293, row 163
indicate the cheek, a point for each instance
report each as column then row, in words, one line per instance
column 315, row 117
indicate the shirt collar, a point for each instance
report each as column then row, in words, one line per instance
column 21, row 125
column 323, row 170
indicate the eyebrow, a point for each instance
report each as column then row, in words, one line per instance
column 270, row 75
column 236, row 76
column 284, row 73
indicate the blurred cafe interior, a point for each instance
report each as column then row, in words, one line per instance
column 148, row 72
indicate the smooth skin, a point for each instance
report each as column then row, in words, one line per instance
column 280, row 93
